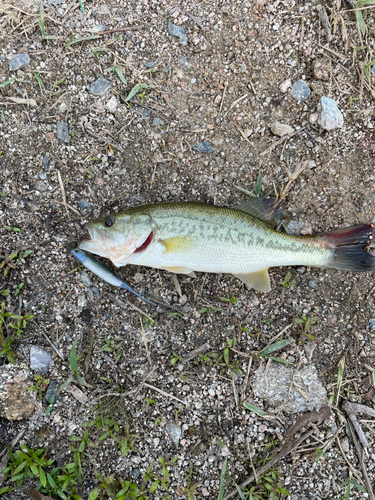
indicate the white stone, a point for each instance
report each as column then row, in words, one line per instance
column 112, row 104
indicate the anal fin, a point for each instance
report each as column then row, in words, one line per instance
column 259, row 280
column 180, row 270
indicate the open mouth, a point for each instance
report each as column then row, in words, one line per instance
column 98, row 239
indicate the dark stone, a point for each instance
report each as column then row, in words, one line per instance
column 63, row 132
column 86, row 315
column 100, row 87
column 83, row 204
column 135, row 473
column 150, row 64
column 52, row 391
column 18, row 61
column 203, row 147
column 300, row 91
column 46, row 161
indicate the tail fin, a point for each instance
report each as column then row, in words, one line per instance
column 349, row 245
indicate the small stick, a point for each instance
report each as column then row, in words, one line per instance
column 360, row 453
column 66, row 296
column 251, row 460
column 281, row 140
column 122, row 304
column 165, row 394
column 354, row 471
column 247, row 376
column 145, row 342
column 222, row 99
column 352, row 410
column 234, row 103
column 283, row 453
column 58, row 352
column 196, row 352
column 69, row 206
column 243, row 135
column 325, row 21
column 62, row 191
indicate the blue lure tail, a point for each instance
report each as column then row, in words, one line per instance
column 105, row 273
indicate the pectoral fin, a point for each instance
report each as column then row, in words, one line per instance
column 177, row 244
column 260, row 280
column 180, row 270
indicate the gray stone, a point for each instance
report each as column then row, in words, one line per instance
column 104, row 10
column 313, row 284
column 135, row 473
column 184, row 40
column 300, row 91
column 330, row 117
column 372, row 68
column 63, row 132
column 294, row 391
column 281, row 129
column 18, row 61
column 46, row 161
column 95, row 291
column 83, row 204
column 54, row 2
column 2, row 58
column 157, row 121
column 371, row 324
column 39, row 359
column 85, row 278
column 99, row 28
column 179, row 32
column 100, row 87
column 52, row 391
column 284, row 86
column 203, row 147
column 150, row 64
column 174, row 432
column 299, row 228
column 40, row 186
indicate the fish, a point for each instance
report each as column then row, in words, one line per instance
column 104, row 272
column 184, row 237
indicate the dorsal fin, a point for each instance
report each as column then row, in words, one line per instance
column 262, row 208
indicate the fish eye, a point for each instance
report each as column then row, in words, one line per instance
column 109, row 221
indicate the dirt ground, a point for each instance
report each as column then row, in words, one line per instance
column 223, row 82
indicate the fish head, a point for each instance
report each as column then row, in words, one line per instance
column 118, row 236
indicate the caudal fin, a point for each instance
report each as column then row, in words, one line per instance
column 349, row 245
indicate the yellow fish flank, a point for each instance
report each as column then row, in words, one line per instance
column 186, row 237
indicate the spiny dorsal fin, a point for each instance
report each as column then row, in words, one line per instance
column 262, row 208
column 259, row 280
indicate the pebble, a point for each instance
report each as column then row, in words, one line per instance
column 322, row 69
column 63, row 107
column 63, row 132
column 345, row 444
column 39, row 359
column 300, row 91
column 52, row 391
column 85, row 278
column 313, row 118
column 313, row 284
column 157, row 121
column 179, row 32
column 174, row 432
column 285, row 86
column 19, row 61
column 2, row 58
column 330, row 117
column 135, row 473
column 99, row 28
column 299, row 228
column 371, row 324
column 40, row 186
column 46, row 161
column 104, row 10
column 112, row 105
column 281, row 129
column 82, row 301
column 100, row 86
column 95, row 291
column 203, row 147
column 83, row 204
column 150, row 64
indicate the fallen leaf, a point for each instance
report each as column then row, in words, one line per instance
column 38, row 496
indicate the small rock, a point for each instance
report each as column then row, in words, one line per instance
column 16, row 402
column 52, row 391
column 100, row 87
column 203, row 147
column 18, row 61
column 299, row 228
column 63, row 107
column 40, row 186
column 179, row 32
column 46, row 161
column 39, row 359
column 2, row 58
column 112, row 104
column 217, row 100
column 330, row 117
column 63, row 132
column 295, row 391
column 150, row 64
column 78, row 394
column 99, row 28
column 313, row 118
column 135, row 473
column 85, row 278
column 345, row 444
column 281, row 129
column 82, row 301
column 83, row 204
column 174, row 432
column 300, row 91
column 313, row 284
column 219, row 179
column 104, row 10
column 247, row 132
column 322, row 69
column 95, row 291
column 157, row 121
column 371, row 324
column 285, row 86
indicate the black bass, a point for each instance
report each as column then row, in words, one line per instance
column 186, row 237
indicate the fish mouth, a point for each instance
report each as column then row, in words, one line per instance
column 97, row 241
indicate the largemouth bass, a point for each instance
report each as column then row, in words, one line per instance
column 186, row 237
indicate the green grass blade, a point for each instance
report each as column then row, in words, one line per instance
column 360, row 20
column 120, row 74
column 258, row 186
column 240, row 494
column 39, row 80
column 84, row 39
column 255, row 410
column 73, row 358
column 222, row 480
column 275, row 347
column 81, row 5
column 41, row 20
